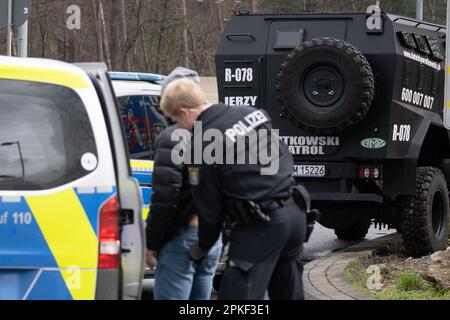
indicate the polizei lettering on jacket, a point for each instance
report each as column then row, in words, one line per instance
column 245, row 126
column 310, row 145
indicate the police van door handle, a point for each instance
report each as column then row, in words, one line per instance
column 230, row 36
column 126, row 217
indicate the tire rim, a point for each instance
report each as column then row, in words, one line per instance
column 322, row 85
column 438, row 214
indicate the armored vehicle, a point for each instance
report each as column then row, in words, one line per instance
column 359, row 100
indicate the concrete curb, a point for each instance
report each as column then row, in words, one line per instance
column 323, row 278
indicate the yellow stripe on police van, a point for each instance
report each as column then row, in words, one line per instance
column 52, row 76
column 136, row 164
column 145, row 213
column 70, row 237
column 448, row 104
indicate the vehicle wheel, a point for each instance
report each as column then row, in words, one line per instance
column 425, row 217
column 325, row 86
column 356, row 232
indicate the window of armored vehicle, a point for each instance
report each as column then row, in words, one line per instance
column 288, row 39
column 143, row 122
column 437, row 48
column 408, row 71
column 422, row 44
column 45, row 133
column 424, row 79
column 407, row 40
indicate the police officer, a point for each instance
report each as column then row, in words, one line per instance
column 172, row 225
column 267, row 241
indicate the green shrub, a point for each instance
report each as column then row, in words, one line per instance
column 409, row 282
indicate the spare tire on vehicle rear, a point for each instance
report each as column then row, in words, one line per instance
column 325, row 86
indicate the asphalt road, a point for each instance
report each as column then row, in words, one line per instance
column 323, row 241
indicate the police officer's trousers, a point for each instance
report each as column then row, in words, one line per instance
column 267, row 257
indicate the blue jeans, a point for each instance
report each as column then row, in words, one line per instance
column 177, row 277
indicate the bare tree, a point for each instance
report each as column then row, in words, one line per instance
column 253, row 5
column 104, row 36
column 185, row 60
column 161, row 31
column 98, row 31
column 220, row 16
column 125, row 45
column 141, row 26
column 158, row 35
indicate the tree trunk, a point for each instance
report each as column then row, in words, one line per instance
column 124, row 45
column 105, row 36
column 160, row 37
column 141, row 35
column 254, row 7
column 14, row 46
column 220, row 16
column 115, row 40
column 43, row 32
column 98, row 31
column 185, row 61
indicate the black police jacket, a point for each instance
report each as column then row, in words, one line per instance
column 213, row 184
column 171, row 201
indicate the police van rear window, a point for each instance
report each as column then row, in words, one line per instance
column 45, row 133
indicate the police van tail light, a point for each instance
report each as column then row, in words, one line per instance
column 109, row 242
column 369, row 173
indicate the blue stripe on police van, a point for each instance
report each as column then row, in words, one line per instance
column 146, row 196
column 22, row 244
column 32, row 285
column 15, row 283
column 50, row 286
column 144, row 178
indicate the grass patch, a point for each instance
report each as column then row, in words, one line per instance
column 409, row 282
column 354, row 273
column 396, row 285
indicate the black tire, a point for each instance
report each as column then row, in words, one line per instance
column 425, row 217
column 358, row 231
column 325, row 86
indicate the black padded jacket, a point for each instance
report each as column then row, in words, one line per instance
column 171, row 202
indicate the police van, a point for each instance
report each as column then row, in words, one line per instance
column 138, row 96
column 70, row 213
